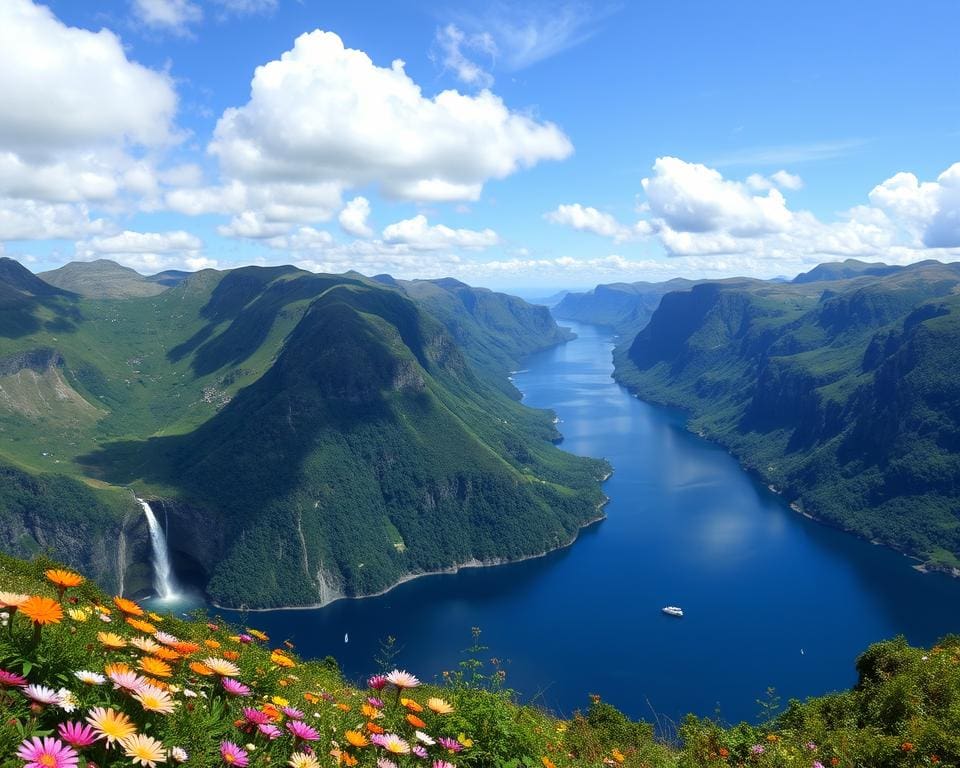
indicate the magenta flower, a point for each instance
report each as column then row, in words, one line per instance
column 77, row 734
column 420, row 751
column 443, row 764
column 451, row 745
column 255, row 716
column 293, row 714
column 11, row 679
column 233, row 755
column 270, row 731
column 373, row 701
column 302, row 731
column 235, row 687
column 377, row 682
column 47, row 753
column 756, row 749
column 245, row 639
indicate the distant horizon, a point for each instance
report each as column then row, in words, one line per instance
column 523, row 144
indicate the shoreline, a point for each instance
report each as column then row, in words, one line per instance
column 449, row 571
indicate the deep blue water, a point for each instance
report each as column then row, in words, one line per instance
column 686, row 526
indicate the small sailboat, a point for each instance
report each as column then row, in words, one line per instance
column 672, row 610
column 346, row 637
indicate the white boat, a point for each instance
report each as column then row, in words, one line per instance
column 346, row 638
column 672, row 610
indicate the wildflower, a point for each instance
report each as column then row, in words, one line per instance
column 67, row 702
column 42, row 610
column 370, row 711
column 146, row 644
column 244, row 638
column 464, row 741
column 439, row 706
column 451, row 745
column 756, row 749
column 77, row 734
column 419, row 751
column 41, row 694
column 385, row 762
column 416, row 722
column 145, row 750
column 393, row 743
column 258, row 634
column 255, row 716
column 184, row 647
column 411, row 705
column 356, row 739
column 178, row 754
column 78, row 614
column 402, row 679
column 373, row 701
column 189, row 693
column 343, row 707
column 212, row 644
column 63, row 580
column 154, row 699
column 155, row 667
column 547, row 762
column 302, row 731
column 11, row 679
column 235, row 687
column 111, row 640
column 127, row 680
column 424, row 738
column 140, row 625
column 817, row 764
column 303, row 760
column 281, row 660
column 233, row 755
column 233, row 656
column 166, row 638
column 292, row 712
column 201, row 669
column 49, row 752
column 617, row 755
column 811, row 746
column 377, row 682
column 373, row 728
column 270, row 731
column 12, row 600
column 907, row 746
column 128, row 606
column 445, row 764
column 221, row 667
column 110, row 724
column 348, row 759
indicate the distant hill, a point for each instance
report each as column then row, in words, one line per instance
column 305, row 436
column 843, row 270
column 842, row 394
column 104, row 279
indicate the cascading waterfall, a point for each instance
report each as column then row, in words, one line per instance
column 163, row 581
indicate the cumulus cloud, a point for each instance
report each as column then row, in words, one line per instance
column 781, row 179
column 174, row 16
column 420, row 235
column 326, row 112
column 929, row 209
column 588, row 219
column 353, row 218
column 148, row 251
column 36, row 220
column 252, row 224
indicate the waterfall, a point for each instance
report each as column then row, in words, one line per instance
column 163, row 581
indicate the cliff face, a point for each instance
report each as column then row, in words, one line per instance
column 839, row 393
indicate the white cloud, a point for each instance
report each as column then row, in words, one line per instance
column 37, row 220
column 452, row 41
column 252, row 224
column 930, row 210
column 587, row 219
column 781, row 179
column 353, row 218
column 420, row 235
column 276, row 202
column 247, row 7
column 148, row 251
column 325, row 112
column 173, row 16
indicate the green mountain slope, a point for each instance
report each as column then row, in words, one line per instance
column 101, row 279
column 306, row 435
column 840, row 394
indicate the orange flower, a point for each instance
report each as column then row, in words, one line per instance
column 42, row 610
column 411, row 705
column 724, row 753
column 232, row 655
column 278, row 658
column 907, row 746
column 201, row 669
column 547, row 762
column 343, row 707
column 416, row 722
column 369, row 711
column 311, row 698
column 373, row 728
column 127, row 606
column 617, row 755
column 356, row 738
column 272, row 712
column 143, row 626
column 111, row 640
column 167, row 654
column 211, row 643
column 117, row 668
column 185, row 648
column 157, row 683
column 64, row 579
column 349, row 759
column 155, row 667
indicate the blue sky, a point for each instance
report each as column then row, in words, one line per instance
column 550, row 145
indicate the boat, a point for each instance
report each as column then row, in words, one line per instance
column 672, row 610
column 346, row 638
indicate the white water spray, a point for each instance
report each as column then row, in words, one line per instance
column 163, row 581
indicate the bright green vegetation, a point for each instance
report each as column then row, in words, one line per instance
column 903, row 711
column 842, row 394
column 306, row 436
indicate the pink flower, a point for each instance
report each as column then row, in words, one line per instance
column 233, row 755
column 420, row 751
column 245, row 639
column 443, row 764
column 235, row 687
column 77, row 734
column 302, row 731
column 377, row 682
column 402, row 679
column 373, row 701
column 451, row 745
column 270, row 731
column 294, row 714
column 255, row 716
column 48, row 753
column 385, row 762
column 41, row 694
column 11, row 679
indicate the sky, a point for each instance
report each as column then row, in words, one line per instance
column 529, row 146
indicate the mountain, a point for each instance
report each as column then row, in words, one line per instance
column 843, row 270
column 626, row 307
column 304, row 436
column 102, row 279
column 841, row 394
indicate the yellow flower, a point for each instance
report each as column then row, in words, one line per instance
column 155, row 667
column 111, row 640
column 145, row 750
column 143, row 626
column 467, row 743
column 356, row 739
column 617, row 755
column 303, row 760
column 110, row 724
column 222, row 667
column 279, row 701
column 439, row 706
column 78, row 614
column 153, row 699
column 257, row 634
column 278, row 658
